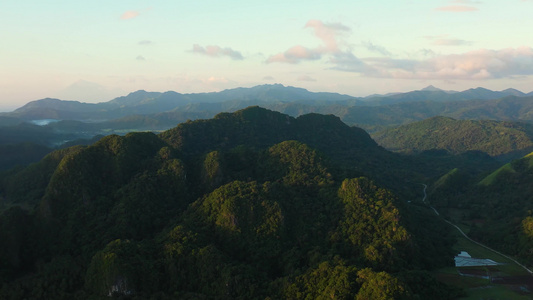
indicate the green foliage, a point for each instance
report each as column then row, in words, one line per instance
column 297, row 165
column 122, row 268
column 28, row 185
column 248, row 205
column 496, row 207
column 527, row 225
column 21, row 154
column 493, row 177
column 16, row 233
column 379, row 285
column 422, row 285
column 448, row 190
column 371, row 224
column 60, row 278
column 495, row 138
column 212, row 169
column 244, row 218
column 416, row 221
column 327, row 281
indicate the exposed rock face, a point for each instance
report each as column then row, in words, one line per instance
column 120, row 287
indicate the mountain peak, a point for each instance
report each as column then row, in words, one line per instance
column 514, row 92
column 431, row 88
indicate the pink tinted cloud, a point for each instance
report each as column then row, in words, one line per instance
column 294, row 55
column 130, row 14
column 466, row 1
column 217, row 51
column 456, row 8
column 327, row 32
column 478, row 64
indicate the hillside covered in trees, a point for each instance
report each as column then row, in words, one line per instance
column 249, row 205
column 496, row 138
column 40, row 126
column 496, row 208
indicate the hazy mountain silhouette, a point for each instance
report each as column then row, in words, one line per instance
column 143, row 102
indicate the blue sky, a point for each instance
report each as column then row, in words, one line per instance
column 94, row 51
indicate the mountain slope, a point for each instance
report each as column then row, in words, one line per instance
column 457, row 136
column 433, row 94
column 142, row 102
column 220, row 208
column 496, row 208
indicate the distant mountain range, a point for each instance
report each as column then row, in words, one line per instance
column 154, row 111
column 287, row 99
column 143, row 102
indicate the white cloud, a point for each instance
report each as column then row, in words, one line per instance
column 346, row 61
column 445, row 40
column 376, row 48
column 451, row 42
column 305, row 78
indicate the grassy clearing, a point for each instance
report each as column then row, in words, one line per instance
column 493, row 292
column 480, row 288
column 457, row 280
column 508, row 267
column 507, row 168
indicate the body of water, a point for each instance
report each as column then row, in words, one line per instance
column 43, row 121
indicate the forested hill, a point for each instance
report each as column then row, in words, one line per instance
column 495, row 138
column 242, row 206
column 350, row 149
column 259, row 127
column 497, row 209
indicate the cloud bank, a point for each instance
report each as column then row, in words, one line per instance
column 478, row 64
column 472, row 65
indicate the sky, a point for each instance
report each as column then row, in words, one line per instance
column 94, row 51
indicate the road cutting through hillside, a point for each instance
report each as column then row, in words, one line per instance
column 467, row 237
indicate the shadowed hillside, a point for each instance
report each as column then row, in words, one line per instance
column 248, row 205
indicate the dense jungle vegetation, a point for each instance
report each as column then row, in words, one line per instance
column 250, row 205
